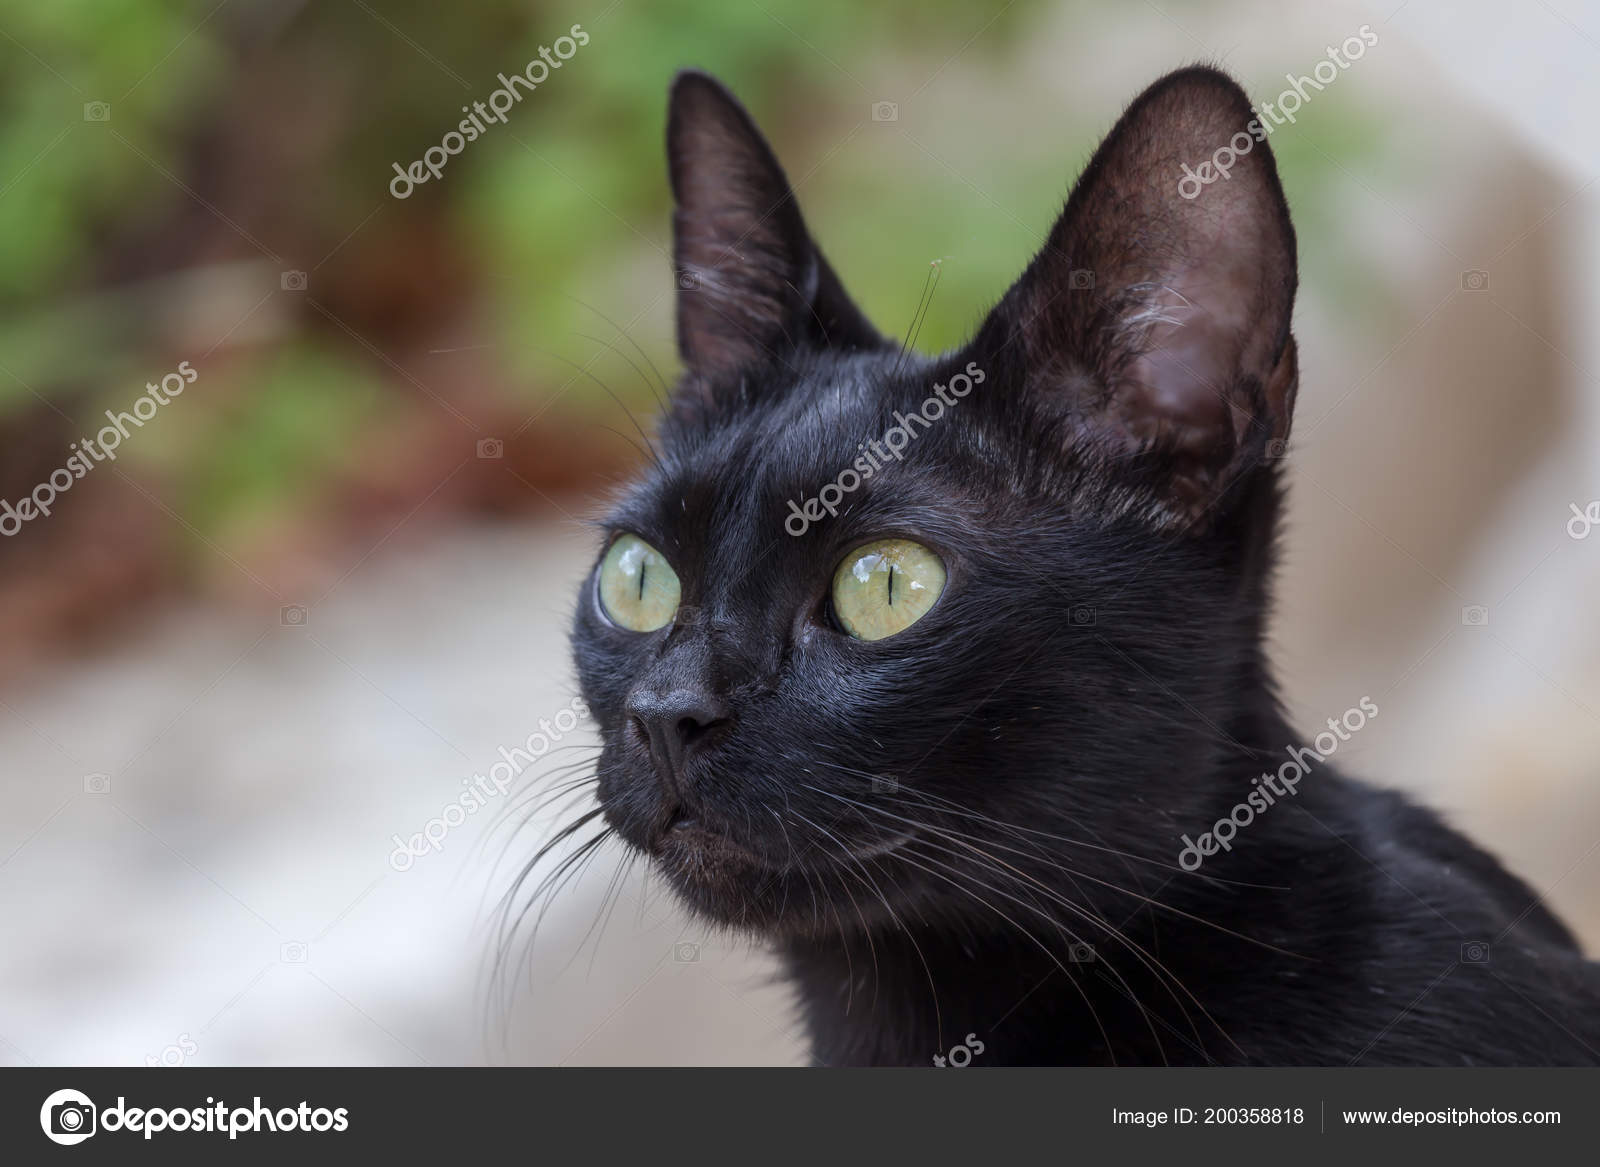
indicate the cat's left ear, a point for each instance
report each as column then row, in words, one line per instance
column 752, row 285
column 1156, row 319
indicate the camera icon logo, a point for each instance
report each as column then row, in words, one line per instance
column 688, row 280
column 1475, row 281
column 293, row 615
column 885, row 784
column 1475, row 952
column 1080, row 279
column 1081, row 953
column 489, row 449
column 68, row 1117
column 293, row 281
column 885, row 111
column 686, row 952
column 97, row 783
column 1475, row 616
column 1277, row 449
column 292, row 952
column 1083, row 616
column 96, row 111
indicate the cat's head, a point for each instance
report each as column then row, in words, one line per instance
column 1076, row 509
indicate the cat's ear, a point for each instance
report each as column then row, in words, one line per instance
column 751, row 283
column 1158, row 313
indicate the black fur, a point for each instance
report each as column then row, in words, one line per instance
column 1090, row 688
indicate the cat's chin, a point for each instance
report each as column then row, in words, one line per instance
column 716, row 876
column 730, row 884
column 691, row 847
column 727, row 884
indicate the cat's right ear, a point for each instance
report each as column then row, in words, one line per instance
column 752, row 285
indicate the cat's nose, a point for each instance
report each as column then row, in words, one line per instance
column 675, row 723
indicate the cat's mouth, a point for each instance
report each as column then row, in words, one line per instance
column 685, row 832
column 686, row 836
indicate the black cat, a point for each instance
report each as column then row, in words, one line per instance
column 946, row 676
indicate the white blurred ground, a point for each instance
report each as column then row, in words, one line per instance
column 256, row 775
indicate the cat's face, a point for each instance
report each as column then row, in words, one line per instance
column 1075, row 509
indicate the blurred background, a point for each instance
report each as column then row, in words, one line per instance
column 321, row 589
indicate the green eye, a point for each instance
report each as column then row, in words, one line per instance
column 638, row 588
column 885, row 587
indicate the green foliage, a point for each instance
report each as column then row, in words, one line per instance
column 70, row 181
column 274, row 434
column 564, row 205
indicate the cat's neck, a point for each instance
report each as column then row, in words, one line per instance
column 1071, row 956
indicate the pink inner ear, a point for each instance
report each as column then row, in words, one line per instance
column 1178, row 388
